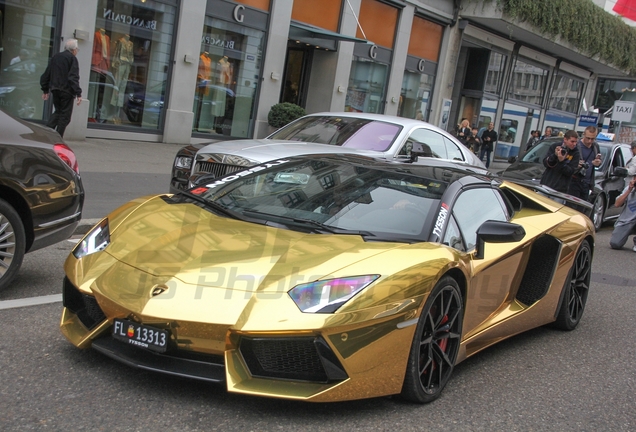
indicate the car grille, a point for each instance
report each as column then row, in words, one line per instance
column 217, row 169
column 302, row 358
column 82, row 305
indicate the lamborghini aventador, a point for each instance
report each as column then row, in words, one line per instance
column 327, row 277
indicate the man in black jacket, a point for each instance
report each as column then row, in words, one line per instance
column 561, row 161
column 61, row 78
column 583, row 179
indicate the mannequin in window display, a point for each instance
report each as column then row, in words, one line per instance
column 219, row 95
column 204, row 77
column 123, row 57
column 101, row 51
column 100, row 64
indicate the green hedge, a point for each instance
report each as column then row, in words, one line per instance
column 284, row 113
column 581, row 23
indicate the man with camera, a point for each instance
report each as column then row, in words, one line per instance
column 561, row 161
column 583, row 179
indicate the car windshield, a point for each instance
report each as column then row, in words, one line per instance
column 538, row 152
column 328, row 195
column 341, row 131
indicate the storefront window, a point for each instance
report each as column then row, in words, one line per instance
column 367, row 83
column 514, row 129
column 227, row 79
column 566, row 93
column 415, row 96
column 528, row 83
column 27, row 31
column 129, row 63
column 495, row 74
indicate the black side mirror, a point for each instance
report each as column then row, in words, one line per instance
column 620, row 172
column 420, row 149
column 201, row 177
column 512, row 159
column 497, row 232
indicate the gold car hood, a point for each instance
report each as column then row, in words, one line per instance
column 184, row 248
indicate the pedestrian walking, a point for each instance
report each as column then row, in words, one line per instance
column 534, row 138
column 463, row 132
column 547, row 133
column 488, row 139
column 61, row 79
column 474, row 142
column 561, row 162
column 583, row 179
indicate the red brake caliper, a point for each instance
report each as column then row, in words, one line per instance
column 444, row 342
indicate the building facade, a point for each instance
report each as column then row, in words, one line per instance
column 181, row 71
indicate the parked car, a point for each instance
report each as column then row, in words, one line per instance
column 326, row 277
column 375, row 135
column 608, row 185
column 41, row 193
column 145, row 104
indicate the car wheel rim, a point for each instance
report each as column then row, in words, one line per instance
column 7, row 245
column 598, row 212
column 440, row 340
column 26, row 108
column 580, row 283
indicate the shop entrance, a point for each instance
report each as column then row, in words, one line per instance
column 296, row 75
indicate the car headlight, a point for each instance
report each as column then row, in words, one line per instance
column 327, row 296
column 96, row 240
column 183, row 162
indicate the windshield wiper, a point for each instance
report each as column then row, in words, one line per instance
column 216, row 207
column 314, row 225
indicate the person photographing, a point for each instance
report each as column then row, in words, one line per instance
column 561, row 161
column 583, row 179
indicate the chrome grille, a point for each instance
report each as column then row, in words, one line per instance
column 215, row 168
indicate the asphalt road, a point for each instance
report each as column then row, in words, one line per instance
column 544, row 379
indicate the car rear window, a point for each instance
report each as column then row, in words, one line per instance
column 341, row 131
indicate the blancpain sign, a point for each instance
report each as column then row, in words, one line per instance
column 111, row 15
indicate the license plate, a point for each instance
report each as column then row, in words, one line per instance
column 140, row 335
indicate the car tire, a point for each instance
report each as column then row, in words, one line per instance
column 435, row 344
column 575, row 290
column 12, row 243
column 598, row 212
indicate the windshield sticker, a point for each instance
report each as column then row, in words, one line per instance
column 243, row 173
column 441, row 219
column 292, row 178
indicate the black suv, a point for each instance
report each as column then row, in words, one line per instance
column 41, row 192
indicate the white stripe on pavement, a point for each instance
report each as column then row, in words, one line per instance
column 31, row 301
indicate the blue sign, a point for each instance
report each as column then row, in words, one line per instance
column 585, row 120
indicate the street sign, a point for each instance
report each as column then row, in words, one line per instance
column 587, row 120
column 623, row 111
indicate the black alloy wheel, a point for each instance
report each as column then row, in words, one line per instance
column 435, row 344
column 576, row 289
column 12, row 243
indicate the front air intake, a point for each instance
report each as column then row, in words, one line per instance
column 294, row 358
column 82, row 305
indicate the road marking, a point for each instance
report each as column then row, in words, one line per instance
column 31, row 301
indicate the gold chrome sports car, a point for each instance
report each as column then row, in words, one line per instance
column 327, row 277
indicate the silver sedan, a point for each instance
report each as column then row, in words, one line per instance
column 375, row 135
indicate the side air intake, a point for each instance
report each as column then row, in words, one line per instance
column 543, row 260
